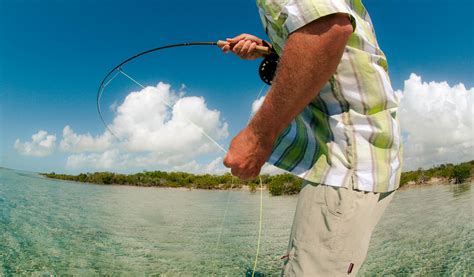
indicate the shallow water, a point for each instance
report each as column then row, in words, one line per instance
column 56, row 227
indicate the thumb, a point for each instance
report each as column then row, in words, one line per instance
column 226, row 161
column 237, row 38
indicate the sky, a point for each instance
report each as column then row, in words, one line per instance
column 53, row 55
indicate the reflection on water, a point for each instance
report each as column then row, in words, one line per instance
column 459, row 190
column 55, row 227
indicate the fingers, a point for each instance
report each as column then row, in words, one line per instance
column 238, row 171
column 227, row 161
column 244, row 175
column 245, row 47
column 226, row 48
column 252, row 48
column 245, row 37
column 238, row 46
column 237, row 38
column 250, row 53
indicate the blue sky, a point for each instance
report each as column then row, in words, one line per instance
column 53, row 54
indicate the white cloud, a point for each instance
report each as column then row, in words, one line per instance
column 109, row 159
column 257, row 104
column 155, row 128
column 41, row 145
column 146, row 123
column 75, row 143
column 436, row 121
column 214, row 167
column 116, row 160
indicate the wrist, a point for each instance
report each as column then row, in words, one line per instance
column 264, row 131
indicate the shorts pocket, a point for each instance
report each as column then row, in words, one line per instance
column 338, row 200
column 333, row 200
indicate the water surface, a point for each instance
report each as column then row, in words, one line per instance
column 56, row 227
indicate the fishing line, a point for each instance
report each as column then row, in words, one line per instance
column 184, row 116
column 221, row 230
column 228, row 198
column 260, row 224
column 119, row 70
column 261, row 207
column 260, row 221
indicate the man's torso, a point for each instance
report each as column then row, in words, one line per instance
column 349, row 135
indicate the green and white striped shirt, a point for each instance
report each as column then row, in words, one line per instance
column 349, row 134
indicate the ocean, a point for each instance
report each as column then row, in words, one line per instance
column 52, row 227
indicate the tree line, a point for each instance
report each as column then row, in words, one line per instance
column 276, row 184
column 456, row 174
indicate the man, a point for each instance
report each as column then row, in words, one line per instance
column 329, row 117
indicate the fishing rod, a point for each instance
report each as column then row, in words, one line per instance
column 267, row 51
column 266, row 70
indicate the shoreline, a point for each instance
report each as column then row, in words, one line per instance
column 281, row 184
column 435, row 181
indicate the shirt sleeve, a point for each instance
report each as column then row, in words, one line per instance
column 301, row 12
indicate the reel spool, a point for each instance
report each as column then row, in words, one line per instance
column 268, row 67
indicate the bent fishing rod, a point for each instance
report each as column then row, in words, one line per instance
column 266, row 70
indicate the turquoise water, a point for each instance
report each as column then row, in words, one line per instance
column 55, row 227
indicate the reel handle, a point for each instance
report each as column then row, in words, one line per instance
column 260, row 49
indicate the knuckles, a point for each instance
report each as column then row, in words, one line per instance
column 244, row 173
column 228, row 162
column 241, row 170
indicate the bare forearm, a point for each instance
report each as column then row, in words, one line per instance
column 309, row 59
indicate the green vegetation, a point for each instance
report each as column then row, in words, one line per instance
column 285, row 184
column 276, row 184
column 461, row 173
column 454, row 173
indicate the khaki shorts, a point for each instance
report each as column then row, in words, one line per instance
column 331, row 230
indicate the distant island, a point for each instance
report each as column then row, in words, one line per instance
column 276, row 184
